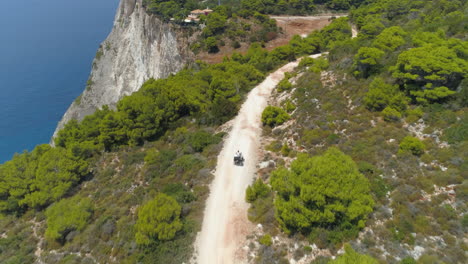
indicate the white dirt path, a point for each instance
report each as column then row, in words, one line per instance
column 225, row 224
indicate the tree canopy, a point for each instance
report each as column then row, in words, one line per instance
column 159, row 219
column 432, row 72
column 38, row 178
column 67, row 215
column 321, row 191
column 274, row 116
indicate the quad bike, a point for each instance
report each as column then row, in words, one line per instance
column 239, row 159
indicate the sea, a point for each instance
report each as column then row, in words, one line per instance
column 46, row 52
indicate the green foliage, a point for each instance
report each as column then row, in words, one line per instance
column 67, row 215
column 273, row 116
column 285, row 150
column 298, row 7
column 314, row 65
column 266, row 240
column 430, row 73
column 408, row 260
column 201, row 139
column 352, row 257
column 390, row 39
column 215, row 24
column 414, row 114
column 412, row 145
column 38, row 178
column 284, row 85
column 167, row 9
column 211, row 45
column 458, row 132
column 367, row 61
column 214, row 92
column 325, row 190
column 390, row 114
column 158, row 220
column 257, row 190
column 179, row 192
column 289, row 106
column 432, row 95
column 382, row 94
column 17, row 244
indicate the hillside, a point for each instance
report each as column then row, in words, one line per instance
column 363, row 150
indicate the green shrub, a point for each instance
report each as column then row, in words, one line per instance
column 458, row 132
column 367, row 61
column 408, row 260
column 285, row 149
column 412, row 145
column 273, row 116
column 390, row 114
column 414, row 115
column 274, row 146
column 352, row 257
column 158, row 220
column 257, row 190
column 289, row 106
column 382, row 94
column 211, row 45
column 179, row 192
column 201, row 139
column 303, row 203
column 66, row 216
column 266, row 240
column 284, row 85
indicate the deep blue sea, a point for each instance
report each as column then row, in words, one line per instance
column 46, row 52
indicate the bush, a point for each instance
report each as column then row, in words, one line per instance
column 266, row 240
column 412, row 145
column 284, row 85
column 289, row 106
column 352, row 257
column 303, row 202
column 158, row 220
column 256, row 190
column 273, row 116
column 201, row 139
column 391, row 115
column 414, row 115
column 211, row 45
column 408, row 260
column 66, row 216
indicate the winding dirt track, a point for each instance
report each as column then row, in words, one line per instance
column 225, row 223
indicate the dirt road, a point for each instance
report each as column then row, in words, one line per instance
column 225, row 222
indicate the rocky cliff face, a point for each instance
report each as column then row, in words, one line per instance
column 139, row 47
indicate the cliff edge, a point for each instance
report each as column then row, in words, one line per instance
column 139, row 47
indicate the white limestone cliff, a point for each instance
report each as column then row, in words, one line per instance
column 139, row 47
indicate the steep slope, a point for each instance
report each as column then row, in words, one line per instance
column 139, row 47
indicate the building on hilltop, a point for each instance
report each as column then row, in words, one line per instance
column 194, row 16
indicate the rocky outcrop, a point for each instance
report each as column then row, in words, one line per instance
column 139, row 47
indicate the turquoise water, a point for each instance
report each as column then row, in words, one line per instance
column 46, row 52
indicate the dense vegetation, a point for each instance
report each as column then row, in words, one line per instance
column 323, row 191
column 158, row 220
column 237, row 23
column 66, row 216
column 176, row 114
column 388, row 106
column 393, row 100
column 273, row 116
column 179, row 9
